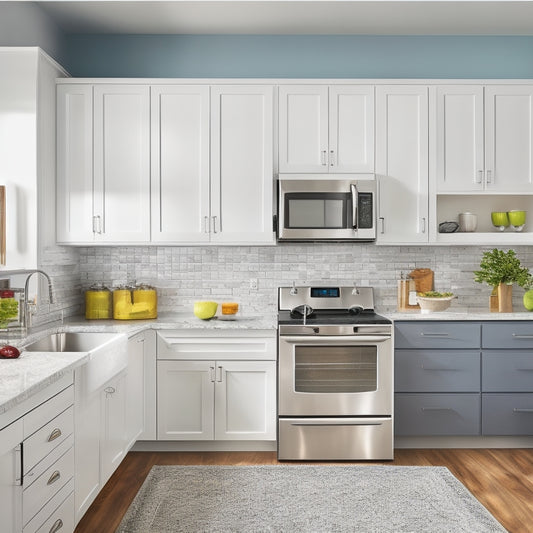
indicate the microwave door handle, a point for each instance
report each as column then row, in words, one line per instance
column 355, row 203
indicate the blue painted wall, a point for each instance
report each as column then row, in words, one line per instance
column 298, row 56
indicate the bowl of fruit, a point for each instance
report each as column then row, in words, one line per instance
column 432, row 301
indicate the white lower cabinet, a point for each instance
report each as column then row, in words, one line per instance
column 202, row 397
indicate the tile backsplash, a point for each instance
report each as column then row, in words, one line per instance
column 226, row 273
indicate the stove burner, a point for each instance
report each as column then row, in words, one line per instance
column 302, row 310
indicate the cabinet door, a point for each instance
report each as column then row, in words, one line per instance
column 245, row 400
column 303, row 128
column 402, row 163
column 122, row 163
column 509, row 138
column 74, row 164
column 150, row 386
column 180, row 163
column 10, row 477
column 135, row 390
column 351, row 128
column 185, row 400
column 242, row 182
column 460, row 140
column 113, row 442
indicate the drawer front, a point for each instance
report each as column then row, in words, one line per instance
column 43, row 441
column 46, row 486
column 437, row 414
column 516, row 334
column 56, row 515
column 437, row 335
column 37, row 418
column 209, row 348
column 436, row 371
column 505, row 371
column 507, row 414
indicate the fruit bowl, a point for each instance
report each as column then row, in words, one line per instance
column 205, row 310
column 432, row 303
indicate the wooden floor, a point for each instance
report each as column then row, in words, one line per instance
column 501, row 479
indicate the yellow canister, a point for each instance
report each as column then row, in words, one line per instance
column 122, row 303
column 145, row 300
column 97, row 302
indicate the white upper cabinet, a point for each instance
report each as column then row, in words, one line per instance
column 326, row 129
column 180, row 163
column 242, row 182
column 459, row 151
column 402, row 163
column 509, row 138
column 484, row 138
column 103, row 163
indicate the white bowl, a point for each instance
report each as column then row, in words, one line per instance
column 431, row 305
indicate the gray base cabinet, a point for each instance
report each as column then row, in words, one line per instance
column 463, row 378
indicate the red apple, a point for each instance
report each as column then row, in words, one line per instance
column 9, row 352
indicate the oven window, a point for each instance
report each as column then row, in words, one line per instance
column 317, row 210
column 335, row 369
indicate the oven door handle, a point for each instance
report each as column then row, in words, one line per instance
column 340, row 422
column 351, row 339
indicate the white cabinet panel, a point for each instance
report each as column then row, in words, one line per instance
column 122, row 163
column 245, row 400
column 460, row 144
column 185, row 400
column 303, row 128
column 402, row 163
column 509, row 138
column 10, row 476
column 242, row 181
column 180, row 163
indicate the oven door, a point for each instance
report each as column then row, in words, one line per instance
column 320, row 210
column 335, row 376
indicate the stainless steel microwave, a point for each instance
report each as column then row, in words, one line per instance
column 327, row 210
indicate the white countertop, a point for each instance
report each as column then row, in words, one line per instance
column 458, row 314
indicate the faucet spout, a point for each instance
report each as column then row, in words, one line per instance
column 27, row 306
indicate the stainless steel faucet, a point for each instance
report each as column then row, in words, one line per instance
column 28, row 307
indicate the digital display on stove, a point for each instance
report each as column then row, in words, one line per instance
column 325, row 292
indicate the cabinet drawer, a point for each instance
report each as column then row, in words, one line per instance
column 437, row 414
column 46, row 485
column 505, row 371
column 43, row 441
column 437, row 335
column 57, row 513
column 514, row 334
column 36, row 419
column 507, row 414
column 177, row 346
column 436, row 371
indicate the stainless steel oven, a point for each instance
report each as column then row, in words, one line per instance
column 335, row 384
column 327, row 210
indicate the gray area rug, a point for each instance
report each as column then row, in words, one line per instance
column 305, row 498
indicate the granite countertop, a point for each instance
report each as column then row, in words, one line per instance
column 458, row 314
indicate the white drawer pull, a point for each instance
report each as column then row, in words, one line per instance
column 57, row 525
column 54, row 477
column 54, row 435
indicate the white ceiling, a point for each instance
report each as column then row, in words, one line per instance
column 381, row 17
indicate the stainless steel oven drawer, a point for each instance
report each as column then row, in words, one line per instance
column 324, row 439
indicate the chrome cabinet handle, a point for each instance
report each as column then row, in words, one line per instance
column 423, row 224
column 331, row 158
column 56, row 433
column 57, row 525
column 212, row 374
column 422, row 334
column 219, row 379
column 437, row 409
column 480, row 176
column 206, row 225
column 522, row 410
column 517, row 336
column 382, row 220
column 54, row 477
column 18, row 464
column 489, row 176
column 214, row 224
column 323, row 158
column 97, row 224
column 438, row 368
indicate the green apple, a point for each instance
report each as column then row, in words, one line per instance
column 528, row 300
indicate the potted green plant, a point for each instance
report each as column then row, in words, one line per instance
column 500, row 270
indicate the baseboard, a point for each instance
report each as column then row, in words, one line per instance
column 204, row 446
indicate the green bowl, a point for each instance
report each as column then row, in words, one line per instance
column 500, row 219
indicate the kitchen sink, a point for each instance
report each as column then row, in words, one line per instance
column 70, row 342
column 107, row 355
